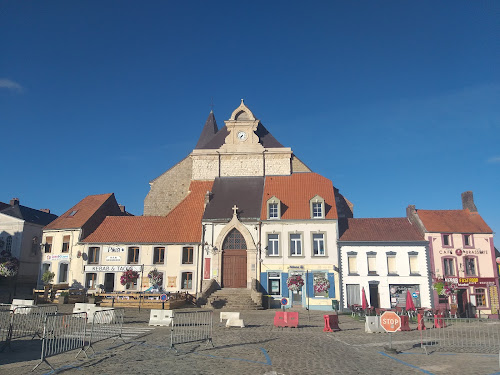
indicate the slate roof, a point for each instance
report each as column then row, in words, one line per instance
column 266, row 139
column 208, row 132
column 181, row 225
column 28, row 214
column 85, row 209
column 397, row 229
column 453, row 221
column 244, row 192
column 295, row 191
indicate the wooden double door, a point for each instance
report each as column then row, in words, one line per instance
column 234, row 261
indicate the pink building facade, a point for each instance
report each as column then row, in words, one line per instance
column 462, row 259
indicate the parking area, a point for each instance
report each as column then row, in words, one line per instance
column 259, row 348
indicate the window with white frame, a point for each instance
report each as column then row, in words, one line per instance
column 447, row 240
column 273, row 208
column 48, row 245
column 467, row 238
column 413, row 259
column 318, row 244
column 295, row 244
column 93, row 257
column 63, row 272
column 353, row 294
column 352, row 263
column 159, row 255
column 372, row 264
column 91, row 280
column 273, row 244
column 65, row 245
column 187, row 255
column 133, row 255
column 317, row 205
column 187, row 280
column 448, row 267
column 391, row 263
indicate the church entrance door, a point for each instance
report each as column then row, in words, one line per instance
column 234, row 261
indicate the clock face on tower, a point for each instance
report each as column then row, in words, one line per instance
column 242, row 136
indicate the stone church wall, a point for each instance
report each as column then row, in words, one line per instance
column 205, row 167
column 298, row 166
column 278, row 164
column 242, row 165
column 168, row 190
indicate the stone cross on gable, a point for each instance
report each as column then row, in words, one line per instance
column 235, row 210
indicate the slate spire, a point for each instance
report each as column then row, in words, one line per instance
column 208, row 132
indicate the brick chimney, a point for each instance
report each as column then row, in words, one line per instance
column 14, row 202
column 46, row 210
column 122, row 208
column 468, row 201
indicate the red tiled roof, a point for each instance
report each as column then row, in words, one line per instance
column 295, row 191
column 453, row 221
column 381, row 230
column 84, row 211
column 181, row 225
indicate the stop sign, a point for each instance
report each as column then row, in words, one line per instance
column 390, row 321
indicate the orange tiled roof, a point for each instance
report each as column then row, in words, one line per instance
column 181, row 225
column 295, row 191
column 453, row 221
column 84, row 211
column 381, row 230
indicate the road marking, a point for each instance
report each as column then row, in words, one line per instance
column 407, row 364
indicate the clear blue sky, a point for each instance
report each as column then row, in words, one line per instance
column 396, row 102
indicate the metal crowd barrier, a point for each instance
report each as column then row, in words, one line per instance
column 62, row 333
column 461, row 335
column 106, row 324
column 28, row 320
column 5, row 320
column 191, row 326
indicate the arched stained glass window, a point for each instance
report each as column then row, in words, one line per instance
column 235, row 241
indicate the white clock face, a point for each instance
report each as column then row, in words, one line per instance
column 242, row 136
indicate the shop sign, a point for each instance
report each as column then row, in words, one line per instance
column 113, row 258
column 111, row 268
column 296, row 267
column 57, row 257
column 471, row 281
column 458, row 252
column 273, row 274
column 113, row 249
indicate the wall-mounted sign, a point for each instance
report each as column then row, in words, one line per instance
column 471, row 281
column 57, row 257
column 113, row 249
column 113, row 258
column 458, row 252
column 111, row 268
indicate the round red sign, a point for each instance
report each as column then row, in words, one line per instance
column 458, row 252
column 390, row 321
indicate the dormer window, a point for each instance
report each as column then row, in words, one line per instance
column 273, row 208
column 317, row 207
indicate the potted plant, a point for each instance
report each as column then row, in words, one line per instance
column 155, row 278
column 63, row 298
column 128, row 277
column 47, row 277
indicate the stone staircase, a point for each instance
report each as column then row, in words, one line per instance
column 232, row 299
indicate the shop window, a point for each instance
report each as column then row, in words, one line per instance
column 93, row 255
column 274, row 283
column 91, row 280
column 470, row 266
column 65, row 245
column 48, row 245
column 319, row 277
column 413, row 258
column 353, row 294
column 318, row 244
column 352, row 262
column 187, row 280
column 449, row 267
column 295, row 244
column 273, row 244
column 372, row 264
column 133, row 255
column 159, row 255
column 63, row 272
column 187, row 255
column 480, row 297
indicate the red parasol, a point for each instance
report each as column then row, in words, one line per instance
column 410, row 306
column 364, row 302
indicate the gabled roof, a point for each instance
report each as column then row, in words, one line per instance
column 295, row 191
column 181, row 225
column 79, row 214
column 28, row 214
column 244, row 192
column 3, row 205
column 453, row 221
column 394, row 229
column 208, row 132
column 266, row 139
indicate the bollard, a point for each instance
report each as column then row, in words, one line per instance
column 405, row 323
column 421, row 323
column 331, row 323
column 439, row 321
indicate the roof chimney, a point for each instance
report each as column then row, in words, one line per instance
column 468, row 201
column 122, row 208
column 14, row 202
column 46, row 210
column 208, row 197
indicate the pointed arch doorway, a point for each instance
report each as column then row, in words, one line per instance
column 234, row 260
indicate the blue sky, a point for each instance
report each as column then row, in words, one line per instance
column 396, row 102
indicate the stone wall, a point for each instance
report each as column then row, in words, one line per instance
column 242, row 165
column 205, row 167
column 168, row 190
column 278, row 164
column 298, row 166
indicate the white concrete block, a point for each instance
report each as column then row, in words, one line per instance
column 161, row 317
column 235, row 323
column 229, row 315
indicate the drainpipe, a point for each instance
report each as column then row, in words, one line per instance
column 202, row 263
column 259, row 252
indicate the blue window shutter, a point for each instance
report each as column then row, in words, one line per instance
column 331, row 279
column 310, row 285
column 263, row 282
column 284, row 287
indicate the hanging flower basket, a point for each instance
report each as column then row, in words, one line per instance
column 295, row 282
column 444, row 288
column 9, row 266
column 321, row 284
column 155, row 277
column 129, row 277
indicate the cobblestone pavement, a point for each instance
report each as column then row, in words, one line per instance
column 259, row 348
